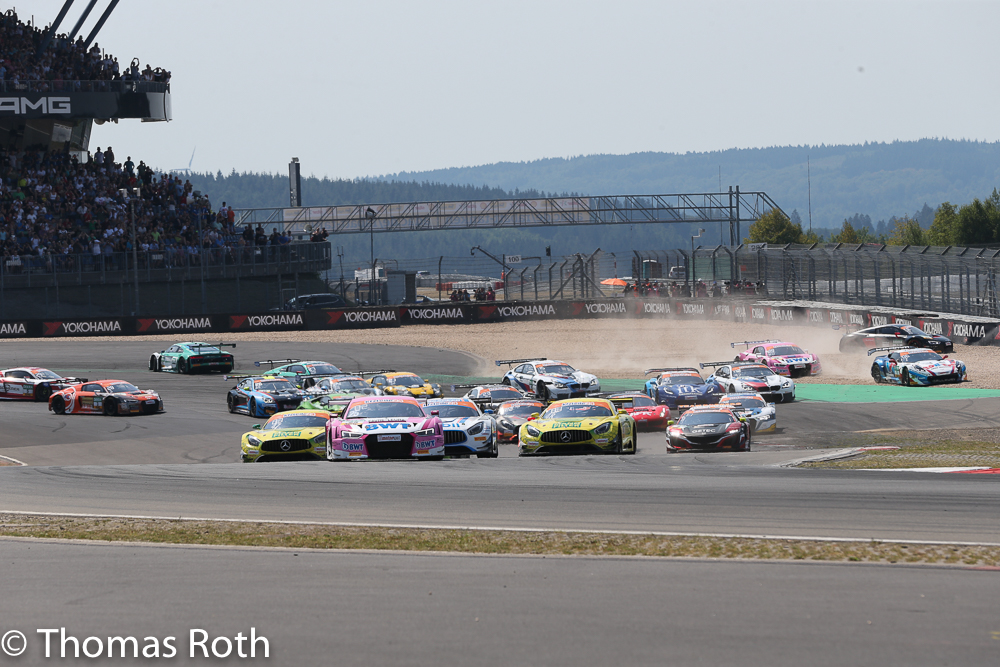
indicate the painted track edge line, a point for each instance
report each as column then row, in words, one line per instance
column 7, row 458
column 351, row 524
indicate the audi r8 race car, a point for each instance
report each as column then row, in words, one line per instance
column 466, row 429
column 680, row 388
column 105, row 397
column 260, row 396
column 406, row 384
column 192, row 357
column 709, row 428
column 33, row 384
column 647, row 414
column 489, row 396
column 903, row 335
column 303, row 374
column 296, row 435
column 578, row 426
column 786, row 359
column 751, row 376
column 512, row 414
column 913, row 366
column 761, row 415
column 548, row 379
column 333, row 403
column 384, row 427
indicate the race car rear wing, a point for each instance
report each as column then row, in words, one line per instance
column 748, row 343
column 669, row 370
column 379, row 372
column 511, row 362
column 497, row 385
column 219, row 345
column 894, row 348
column 715, row 364
column 276, row 362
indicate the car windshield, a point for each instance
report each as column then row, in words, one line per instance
column 46, row 375
column 520, row 409
column 280, row 422
column 451, row 410
column 357, row 386
column 746, row 403
column 375, row 409
column 913, row 330
column 120, row 387
column 752, row 372
column 322, row 369
column 682, row 379
column 273, row 386
column 784, row 350
column 406, row 381
column 633, row 402
column 556, row 369
column 704, row 418
column 920, row 356
column 497, row 395
column 576, row 411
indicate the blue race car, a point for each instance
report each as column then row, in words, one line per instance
column 259, row 396
column 915, row 366
column 680, row 388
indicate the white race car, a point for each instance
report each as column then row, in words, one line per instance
column 761, row 415
column 466, row 429
column 753, row 376
column 549, row 380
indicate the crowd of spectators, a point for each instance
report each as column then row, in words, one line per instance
column 65, row 63
column 478, row 294
column 673, row 288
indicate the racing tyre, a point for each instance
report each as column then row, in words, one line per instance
column 619, row 445
column 154, row 363
column 252, row 407
column 493, row 453
column 42, row 393
column 230, row 404
column 505, row 381
column 59, row 405
column 111, row 407
column 877, row 374
column 904, row 377
column 543, row 392
column 635, row 446
column 182, row 366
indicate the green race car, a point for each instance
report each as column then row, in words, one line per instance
column 303, row 374
column 578, row 426
column 193, row 357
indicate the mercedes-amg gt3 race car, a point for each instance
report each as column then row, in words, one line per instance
column 647, row 414
column 466, row 429
column 296, row 435
column 579, row 426
column 903, row 335
column 406, row 384
column 385, row 427
column 192, row 358
column 105, row 397
column 680, row 388
column 260, row 396
column 914, row 366
column 512, row 414
column 786, row 359
column 709, row 427
column 31, row 383
column 549, row 380
column 761, row 415
column 751, row 376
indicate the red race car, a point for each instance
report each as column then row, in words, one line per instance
column 647, row 414
column 105, row 397
column 32, row 384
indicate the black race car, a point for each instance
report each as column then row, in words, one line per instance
column 904, row 335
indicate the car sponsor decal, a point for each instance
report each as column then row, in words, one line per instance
column 572, row 423
column 286, row 434
column 352, row 447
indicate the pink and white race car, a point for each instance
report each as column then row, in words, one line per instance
column 783, row 358
column 31, row 383
column 385, row 427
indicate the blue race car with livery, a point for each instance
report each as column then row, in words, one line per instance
column 680, row 388
column 260, row 396
column 915, row 366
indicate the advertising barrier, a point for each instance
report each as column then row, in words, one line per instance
column 445, row 313
column 353, row 318
column 520, row 311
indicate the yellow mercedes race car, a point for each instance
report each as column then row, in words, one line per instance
column 406, row 384
column 578, row 426
column 294, row 435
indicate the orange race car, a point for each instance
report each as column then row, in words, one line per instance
column 105, row 397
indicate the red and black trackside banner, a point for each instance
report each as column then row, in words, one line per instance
column 353, row 318
column 972, row 333
column 193, row 324
column 450, row 313
column 291, row 320
column 119, row 326
column 655, row 308
column 613, row 308
column 692, row 310
column 520, row 311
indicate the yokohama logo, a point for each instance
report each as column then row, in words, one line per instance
column 526, row 311
column 722, row 309
column 741, row 312
column 692, row 308
column 757, row 313
column 12, row 328
column 933, row 328
column 970, row 330
column 96, row 326
column 781, row 315
column 655, row 308
column 601, row 308
column 255, row 321
column 174, row 324
column 857, row 319
column 371, row 315
column 816, row 316
column 879, row 320
column 836, row 318
column 900, row 320
column 435, row 313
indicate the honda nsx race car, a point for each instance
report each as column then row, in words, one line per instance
column 105, row 397
column 33, row 384
column 260, row 396
column 295, row 435
column 709, row 427
column 549, row 380
column 786, row 359
column 193, row 357
column 466, row 429
column 303, row 374
column 751, row 376
column 579, row 426
column 680, row 388
column 913, row 366
column 384, row 427
column 405, row 384
column 512, row 414
column 761, row 415
column 903, row 335
column 490, row 396
column 647, row 414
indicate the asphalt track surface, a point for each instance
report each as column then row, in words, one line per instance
column 377, row 608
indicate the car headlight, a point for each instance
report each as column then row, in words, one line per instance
column 253, row 441
column 267, row 399
column 561, row 385
column 603, row 428
column 319, row 439
column 785, row 382
column 507, row 424
column 424, row 431
column 476, row 428
column 532, row 431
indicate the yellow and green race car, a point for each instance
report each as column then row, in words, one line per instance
column 578, row 426
column 406, row 384
column 294, row 435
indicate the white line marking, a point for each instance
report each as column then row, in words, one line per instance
column 7, row 458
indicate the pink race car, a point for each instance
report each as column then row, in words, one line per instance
column 385, row 427
column 786, row 359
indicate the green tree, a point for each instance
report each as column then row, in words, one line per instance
column 978, row 222
column 847, row 234
column 944, row 229
column 907, row 231
column 775, row 227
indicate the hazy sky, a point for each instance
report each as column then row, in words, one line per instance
column 355, row 88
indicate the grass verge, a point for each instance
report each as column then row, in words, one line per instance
column 311, row 536
column 922, row 449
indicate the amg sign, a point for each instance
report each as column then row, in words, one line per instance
column 44, row 106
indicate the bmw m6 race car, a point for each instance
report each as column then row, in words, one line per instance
column 30, row 383
column 647, row 414
column 489, row 396
column 105, row 397
column 680, row 388
column 751, row 376
column 548, row 379
column 512, row 414
column 405, row 384
column 192, row 358
column 303, row 374
column 903, row 335
column 786, row 359
column 761, row 415
column 578, row 426
column 914, row 366
column 384, row 427
column 260, row 396
column 709, row 427
column 296, row 435
column 466, row 429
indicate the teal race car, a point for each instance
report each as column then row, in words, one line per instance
column 302, row 374
column 193, row 357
